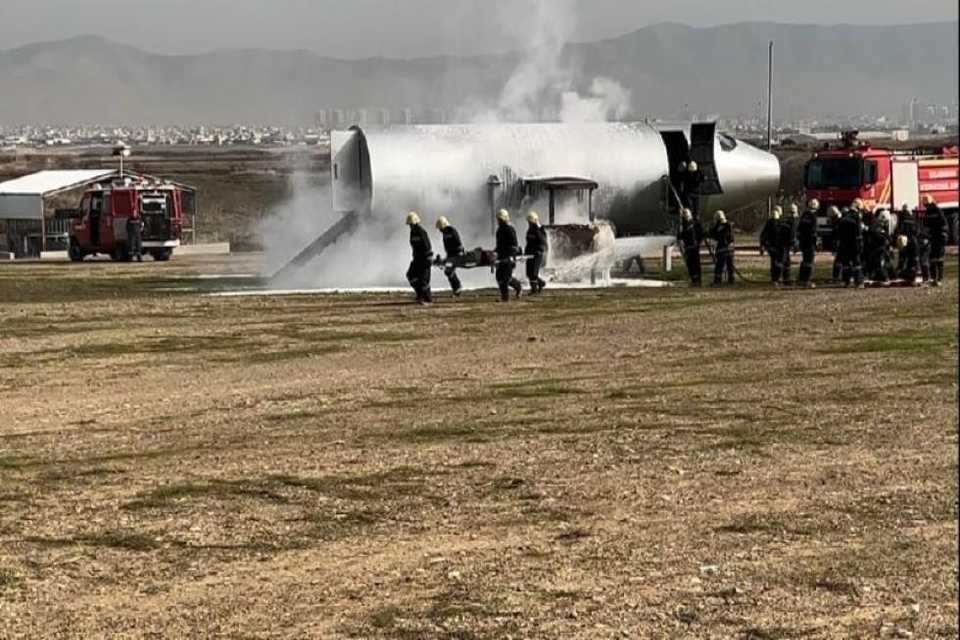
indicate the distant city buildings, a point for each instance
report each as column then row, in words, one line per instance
column 917, row 118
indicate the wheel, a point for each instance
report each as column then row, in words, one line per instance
column 162, row 255
column 74, row 251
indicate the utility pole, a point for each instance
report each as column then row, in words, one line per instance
column 770, row 115
column 770, row 99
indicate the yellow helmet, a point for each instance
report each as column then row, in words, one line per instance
column 776, row 213
column 720, row 217
column 794, row 210
column 857, row 204
column 503, row 215
column 814, row 204
column 533, row 217
column 834, row 212
column 442, row 223
column 928, row 199
column 687, row 215
column 903, row 241
column 693, row 166
column 413, row 218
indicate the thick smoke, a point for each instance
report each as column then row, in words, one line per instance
column 543, row 86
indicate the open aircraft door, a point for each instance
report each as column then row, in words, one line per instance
column 703, row 140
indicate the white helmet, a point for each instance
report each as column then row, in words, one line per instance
column 693, row 166
column 720, row 217
column 794, row 210
column 814, row 204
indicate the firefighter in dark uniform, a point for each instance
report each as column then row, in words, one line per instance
column 768, row 244
column 906, row 234
column 787, row 242
column 508, row 248
column 835, row 217
column 722, row 235
column 850, row 247
column 689, row 237
column 535, row 251
column 418, row 275
column 923, row 245
column 938, row 230
column 453, row 247
column 135, row 236
column 807, row 242
column 692, row 178
column 877, row 243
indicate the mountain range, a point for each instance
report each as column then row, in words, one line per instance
column 836, row 70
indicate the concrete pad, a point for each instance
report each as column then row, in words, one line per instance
column 208, row 249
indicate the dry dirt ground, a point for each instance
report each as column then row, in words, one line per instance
column 742, row 463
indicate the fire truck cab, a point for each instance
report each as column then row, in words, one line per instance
column 882, row 178
column 100, row 223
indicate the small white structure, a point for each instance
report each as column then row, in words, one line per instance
column 22, row 204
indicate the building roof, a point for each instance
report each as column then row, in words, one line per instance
column 45, row 183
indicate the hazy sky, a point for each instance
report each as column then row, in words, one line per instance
column 406, row 28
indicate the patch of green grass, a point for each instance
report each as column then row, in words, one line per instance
column 385, row 618
column 531, row 389
column 8, row 578
column 212, row 489
column 432, row 434
column 17, row 461
column 392, row 484
column 125, row 541
column 902, row 342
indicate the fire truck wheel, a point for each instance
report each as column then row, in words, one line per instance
column 74, row 251
column 162, row 255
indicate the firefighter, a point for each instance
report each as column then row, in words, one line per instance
column 453, row 247
column 795, row 222
column 850, row 247
column 689, row 238
column 807, row 243
column 692, row 178
column 418, row 275
column 938, row 231
column 535, row 252
column 787, row 242
column 923, row 245
column 722, row 235
column 906, row 234
column 768, row 244
column 877, row 243
column 508, row 247
column 835, row 217
column 135, row 236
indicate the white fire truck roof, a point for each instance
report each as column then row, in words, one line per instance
column 22, row 198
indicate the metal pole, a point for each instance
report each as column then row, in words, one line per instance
column 770, row 100
column 770, row 114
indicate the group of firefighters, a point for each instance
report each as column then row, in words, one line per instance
column 863, row 244
column 507, row 250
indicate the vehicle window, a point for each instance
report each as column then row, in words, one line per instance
column 834, row 172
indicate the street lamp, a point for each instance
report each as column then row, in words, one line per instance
column 121, row 150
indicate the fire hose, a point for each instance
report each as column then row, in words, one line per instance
column 713, row 255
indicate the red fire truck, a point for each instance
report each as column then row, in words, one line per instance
column 100, row 224
column 882, row 178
